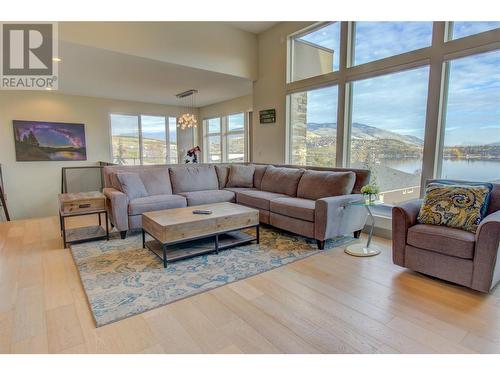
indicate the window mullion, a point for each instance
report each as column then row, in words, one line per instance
column 223, row 138
column 167, row 139
column 345, row 49
column 434, row 101
column 141, row 153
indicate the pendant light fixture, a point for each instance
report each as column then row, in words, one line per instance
column 187, row 119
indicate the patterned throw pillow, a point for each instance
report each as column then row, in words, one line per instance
column 455, row 206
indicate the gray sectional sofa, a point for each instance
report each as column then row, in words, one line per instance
column 309, row 201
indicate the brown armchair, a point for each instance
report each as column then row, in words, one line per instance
column 450, row 254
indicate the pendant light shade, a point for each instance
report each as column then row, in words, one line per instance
column 187, row 119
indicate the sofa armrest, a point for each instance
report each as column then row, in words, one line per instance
column 117, row 208
column 486, row 272
column 334, row 217
column 404, row 216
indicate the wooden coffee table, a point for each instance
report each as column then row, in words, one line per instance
column 175, row 226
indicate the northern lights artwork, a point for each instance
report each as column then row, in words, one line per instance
column 49, row 141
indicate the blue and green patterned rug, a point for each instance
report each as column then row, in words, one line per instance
column 121, row 279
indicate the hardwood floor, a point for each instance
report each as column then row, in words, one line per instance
column 327, row 303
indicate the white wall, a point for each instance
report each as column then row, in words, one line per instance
column 228, row 107
column 32, row 187
column 213, row 46
column 269, row 92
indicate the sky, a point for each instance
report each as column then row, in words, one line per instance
column 397, row 102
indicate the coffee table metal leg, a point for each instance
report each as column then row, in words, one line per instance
column 217, row 244
column 107, row 226
column 63, row 227
column 164, row 249
column 257, row 233
column 143, row 239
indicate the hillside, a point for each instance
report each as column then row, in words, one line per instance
column 363, row 132
column 385, row 144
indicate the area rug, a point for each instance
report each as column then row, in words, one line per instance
column 121, row 279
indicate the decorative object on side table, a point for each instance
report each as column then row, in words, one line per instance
column 370, row 192
column 359, row 249
column 81, row 204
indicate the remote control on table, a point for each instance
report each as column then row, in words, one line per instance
column 202, row 212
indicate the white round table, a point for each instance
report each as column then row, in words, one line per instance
column 360, row 249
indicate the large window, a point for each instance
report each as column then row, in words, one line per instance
column 378, row 40
column 471, row 144
column 315, row 52
column 410, row 101
column 387, row 131
column 225, row 138
column 143, row 139
column 313, row 127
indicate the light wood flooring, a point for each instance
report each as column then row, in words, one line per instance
column 327, row 303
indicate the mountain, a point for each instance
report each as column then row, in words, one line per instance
column 362, row 132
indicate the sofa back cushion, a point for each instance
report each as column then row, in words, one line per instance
column 156, row 181
column 222, row 171
column 258, row 175
column 241, row 176
column 362, row 175
column 193, row 178
column 316, row 184
column 132, row 185
column 281, row 180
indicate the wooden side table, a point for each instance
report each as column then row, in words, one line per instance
column 81, row 204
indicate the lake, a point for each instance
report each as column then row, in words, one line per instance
column 476, row 170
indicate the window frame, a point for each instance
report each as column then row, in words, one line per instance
column 223, row 134
column 291, row 45
column 139, row 128
column 207, row 135
column 435, row 56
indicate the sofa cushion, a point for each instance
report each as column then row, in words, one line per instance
column 156, row 181
column 298, row 208
column 258, row 174
column 448, row 241
column 240, row 176
column 222, row 171
column 238, row 189
column 132, row 185
column 193, row 178
column 281, row 180
column 257, row 198
column 319, row 184
column 155, row 203
column 195, row 198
